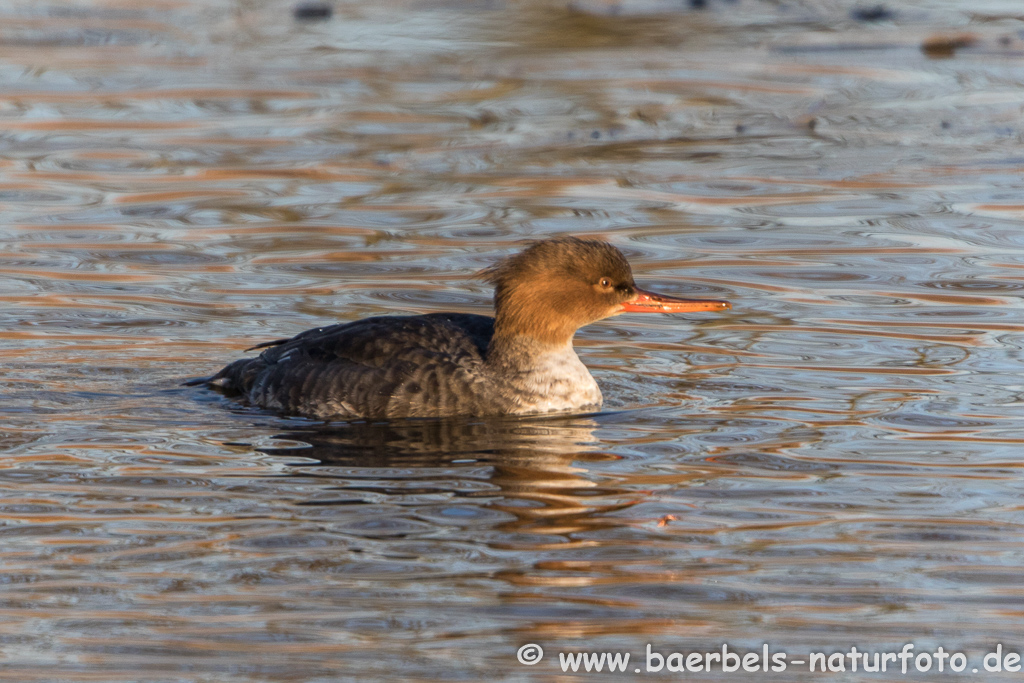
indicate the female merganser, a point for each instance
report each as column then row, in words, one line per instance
column 519, row 362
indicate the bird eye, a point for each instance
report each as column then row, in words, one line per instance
column 605, row 282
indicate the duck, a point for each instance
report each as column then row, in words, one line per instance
column 521, row 361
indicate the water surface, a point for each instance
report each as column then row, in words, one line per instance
column 835, row 462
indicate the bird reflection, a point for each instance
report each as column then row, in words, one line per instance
column 529, row 469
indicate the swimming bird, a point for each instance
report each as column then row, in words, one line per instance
column 519, row 362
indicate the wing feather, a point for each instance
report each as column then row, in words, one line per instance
column 387, row 366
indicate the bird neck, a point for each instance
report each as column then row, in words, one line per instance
column 525, row 318
column 517, row 349
column 520, row 352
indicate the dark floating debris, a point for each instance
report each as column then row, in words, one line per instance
column 944, row 46
column 484, row 119
column 312, row 11
column 876, row 13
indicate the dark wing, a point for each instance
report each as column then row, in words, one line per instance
column 389, row 366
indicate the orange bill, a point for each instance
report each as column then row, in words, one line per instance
column 651, row 302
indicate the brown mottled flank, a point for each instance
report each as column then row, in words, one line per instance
column 368, row 369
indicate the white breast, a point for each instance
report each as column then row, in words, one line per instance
column 555, row 382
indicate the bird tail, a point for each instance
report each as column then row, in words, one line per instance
column 235, row 377
column 199, row 381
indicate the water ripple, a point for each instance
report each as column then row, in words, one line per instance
column 842, row 447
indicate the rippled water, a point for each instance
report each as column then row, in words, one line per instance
column 835, row 462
